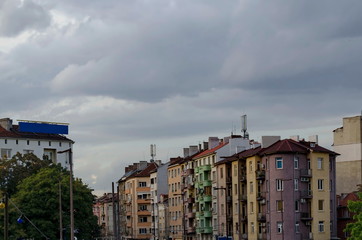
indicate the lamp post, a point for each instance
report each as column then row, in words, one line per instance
column 70, row 191
column 226, row 211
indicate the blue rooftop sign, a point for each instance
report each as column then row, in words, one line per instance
column 39, row 127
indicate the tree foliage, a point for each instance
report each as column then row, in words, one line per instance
column 38, row 199
column 355, row 228
column 19, row 167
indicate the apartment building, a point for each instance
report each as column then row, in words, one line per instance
column 103, row 209
column 137, row 200
column 291, row 191
column 43, row 145
column 175, row 198
column 163, row 218
column 348, row 143
column 189, row 192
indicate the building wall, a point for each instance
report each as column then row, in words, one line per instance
column 348, row 143
column 38, row 147
column 175, row 201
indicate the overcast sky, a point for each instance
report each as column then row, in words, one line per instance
column 129, row 73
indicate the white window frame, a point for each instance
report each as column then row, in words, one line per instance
column 319, row 163
column 296, row 184
column 321, row 226
column 279, row 227
column 279, row 185
column 278, row 160
column 296, row 162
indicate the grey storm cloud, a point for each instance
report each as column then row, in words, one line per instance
column 17, row 16
column 130, row 73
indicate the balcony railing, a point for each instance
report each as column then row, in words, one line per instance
column 305, row 216
column 306, row 194
column 306, row 172
column 260, row 174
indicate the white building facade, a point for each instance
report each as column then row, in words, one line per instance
column 42, row 145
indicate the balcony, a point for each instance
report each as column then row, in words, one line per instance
column 191, row 215
column 208, row 198
column 306, row 194
column 197, row 170
column 190, row 186
column 199, row 230
column 306, row 173
column 207, row 214
column 144, row 213
column 191, row 230
column 143, row 201
column 244, row 218
column 306, row 216
column 260, row 196
column 207, row 229
column 244, row 198
column 205, row 168
column 261, row 236
column 260, row 174
column 229, row 180
column 189, row 172
column 261, row 217
column 190, row 200
column 206, row 183
column 243, row 176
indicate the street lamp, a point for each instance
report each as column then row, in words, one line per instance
column 226, row 211
column 70, row 191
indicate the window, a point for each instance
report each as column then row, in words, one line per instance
column 6, row 141
column 320, row 184
column 50, row 143
column 321, row 226
column 296, row 184
column 252, row 227
column 296, row 162
column 143, row 219
column 251, row 187
column 60, row 144
column 297, row 227
column 17, row 141
column 5, row 153
column 279, row 163
column 251, row 207
column 250, row 166
column 235, row 170
column 279, row 184
column 279, row 227
column 28, row 151
column 214, row 175
column 320, row 205
column 38, row 143
column 221, row 173
column 236, row 188
column 27, row 142
column 142, row 184
column 296, row 206
column 143, row 208
column 320, row 163
column 143, row 230
column 280, row 205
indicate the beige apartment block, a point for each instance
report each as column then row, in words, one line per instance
column 348, row 143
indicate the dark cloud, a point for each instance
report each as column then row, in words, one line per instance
column 17, row 16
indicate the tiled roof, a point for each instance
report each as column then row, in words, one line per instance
column 284, row 146
column 240, row 155
column 316, row 148
column 209, row 151
column 15, row 133
column 147, row 171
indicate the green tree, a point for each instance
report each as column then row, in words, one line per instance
column 355, row 228
column 19, row 167
column 38, row 199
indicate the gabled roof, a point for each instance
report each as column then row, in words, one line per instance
column 147, row 171
column 240, row 155
column 15, row 133
column 316, row 148
column 209, row 151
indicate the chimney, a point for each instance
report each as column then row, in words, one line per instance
column 193, row 150
column 158, row 162
column 6, row 123
column 267, row 141
column 213, row 142
column 186, row 152
column 206, row 145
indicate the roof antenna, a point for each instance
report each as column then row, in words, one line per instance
column 153, row 152
column 244, row 126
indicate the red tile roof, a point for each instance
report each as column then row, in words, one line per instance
column 147, row 171
column 209, row 151
column 284, row 146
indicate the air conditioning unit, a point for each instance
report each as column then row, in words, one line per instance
column 307, row 223
column 302, row 200
column 304, row 179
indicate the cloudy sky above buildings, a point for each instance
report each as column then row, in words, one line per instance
column 130, row 73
